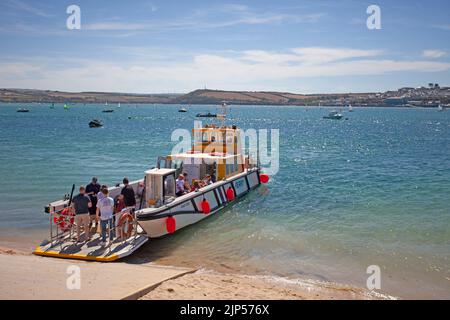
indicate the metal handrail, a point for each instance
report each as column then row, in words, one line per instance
column 61, row 234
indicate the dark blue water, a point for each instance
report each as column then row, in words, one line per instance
column 370, row 190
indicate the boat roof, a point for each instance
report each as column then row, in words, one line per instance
column 201, row 155
column 161, row 171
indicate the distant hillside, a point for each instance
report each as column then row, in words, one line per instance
column 46, row 96
column 195, row 97
column 403, row 97
column 239, row 97
column 265, row 97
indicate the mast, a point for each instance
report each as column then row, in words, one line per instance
column 222, row 116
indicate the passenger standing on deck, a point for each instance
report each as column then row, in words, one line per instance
column 128, row 194
column 187, row 185
column 92, row 189
column 207, row 180
column 118, row 212
column 81, row 204
column 105, row 208
column 100, row 194
column 179, row 191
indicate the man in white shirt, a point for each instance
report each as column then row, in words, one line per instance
column 105, row 209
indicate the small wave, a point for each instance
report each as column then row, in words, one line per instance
column 306, row 284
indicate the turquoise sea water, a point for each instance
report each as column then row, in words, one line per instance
column 370, row 190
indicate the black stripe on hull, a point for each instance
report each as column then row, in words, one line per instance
column 165, row 211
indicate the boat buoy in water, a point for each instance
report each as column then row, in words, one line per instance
column 206, row 209
column 171, row 224
column 264, row 178
column 230, row 194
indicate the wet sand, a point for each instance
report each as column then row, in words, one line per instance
column 215, row 286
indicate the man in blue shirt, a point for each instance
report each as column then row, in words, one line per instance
column 81, row 204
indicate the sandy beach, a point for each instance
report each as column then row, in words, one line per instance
column 203, row 285
column 29, row 277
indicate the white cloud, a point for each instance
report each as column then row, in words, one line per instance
column 433, row 54
column 243, row 70
column 219, row 16
column 24, row 7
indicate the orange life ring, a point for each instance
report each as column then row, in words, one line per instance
column 64, row 219
column 122, row 225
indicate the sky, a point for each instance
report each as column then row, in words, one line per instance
column 302, row 46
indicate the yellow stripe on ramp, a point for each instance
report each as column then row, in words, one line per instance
column 38, row 251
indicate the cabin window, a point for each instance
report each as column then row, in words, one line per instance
column 228, row 169
column 229, row 138
column 169, row 186
column 197, row 136
column 231, row 167
column 205, row 137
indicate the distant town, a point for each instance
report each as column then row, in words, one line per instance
column 431, row 95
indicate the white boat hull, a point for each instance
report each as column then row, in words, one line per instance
column 186, row 210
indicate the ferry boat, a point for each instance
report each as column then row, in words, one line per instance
column 216, row 152
column 234, row 177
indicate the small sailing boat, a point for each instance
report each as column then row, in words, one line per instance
column 107, row 110
column 66, row 107
column 350, row 108
column 440, row 108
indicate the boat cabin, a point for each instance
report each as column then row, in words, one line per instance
column 216, row 151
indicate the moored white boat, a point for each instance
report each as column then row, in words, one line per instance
column 334, row 115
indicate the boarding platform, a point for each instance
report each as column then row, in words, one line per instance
column 67, row 247
column 62, row 241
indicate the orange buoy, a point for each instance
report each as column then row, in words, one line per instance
column 230, row 194
column 171, row 224
column 264, row 178
column 125, row 225
column 206, row 209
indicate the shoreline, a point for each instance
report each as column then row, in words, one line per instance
column 175, row 283
column 211, row 285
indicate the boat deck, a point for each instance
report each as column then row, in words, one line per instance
column 68, row 248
